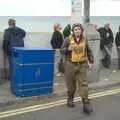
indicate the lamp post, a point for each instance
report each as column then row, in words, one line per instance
column 79, row 7
column 86, row 8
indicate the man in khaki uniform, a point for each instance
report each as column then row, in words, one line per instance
column 77, row 55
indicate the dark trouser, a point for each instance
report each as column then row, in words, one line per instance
column 106, row 61
column 118, row 53
column 9, row 60
column 76, row 73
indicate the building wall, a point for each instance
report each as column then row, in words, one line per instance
column 31, row 40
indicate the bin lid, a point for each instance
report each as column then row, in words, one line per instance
column 30, row 48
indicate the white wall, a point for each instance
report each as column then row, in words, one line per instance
column 38, row 40
column 31, row 40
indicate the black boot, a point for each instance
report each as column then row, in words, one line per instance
column 87, row 108
column 70, row 100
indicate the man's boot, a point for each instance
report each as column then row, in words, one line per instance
column 70, row 100
column 87, row 108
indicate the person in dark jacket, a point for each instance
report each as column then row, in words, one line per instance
column 106, row 44
column 117, row 41
column 56, row 42
column 13, row 37
column 57, row 37
column 67, row 31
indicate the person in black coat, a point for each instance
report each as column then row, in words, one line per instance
column 106, row 44
column 67, row 31
column 57, row 37
column 56, row 43
column 117, row 41
column 13, row 37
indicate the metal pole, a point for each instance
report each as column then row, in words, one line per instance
column 86, row 11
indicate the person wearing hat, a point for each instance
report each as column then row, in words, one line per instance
column 67, row 31
column 13, row 37
column 77, row 56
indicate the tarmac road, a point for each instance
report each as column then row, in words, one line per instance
column 106, row 106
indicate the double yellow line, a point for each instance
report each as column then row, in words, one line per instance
column 53, row 104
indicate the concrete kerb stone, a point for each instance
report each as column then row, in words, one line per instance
column 93, row 87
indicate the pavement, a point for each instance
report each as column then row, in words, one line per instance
column 107, row 78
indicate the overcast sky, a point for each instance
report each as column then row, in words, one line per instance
column 105, row 8
column 55, row 7
column 35, row 7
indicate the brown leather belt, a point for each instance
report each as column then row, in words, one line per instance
column 77, row 63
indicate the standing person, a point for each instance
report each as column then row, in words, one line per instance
column 117, row 41
column 67, row 31
column 56, row 42
column 106, row 44
column 13, row 37
column 77, row 54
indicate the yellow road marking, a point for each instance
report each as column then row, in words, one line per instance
column 53, row 104
column 60, row 101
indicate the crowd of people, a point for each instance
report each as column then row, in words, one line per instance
column 72, row 47
column 75, row 49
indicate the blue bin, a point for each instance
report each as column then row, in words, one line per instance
column 32, row 71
